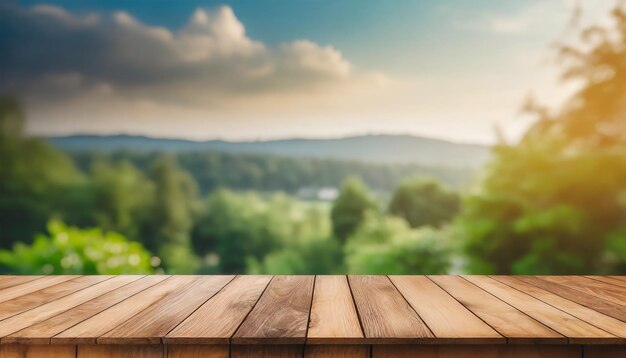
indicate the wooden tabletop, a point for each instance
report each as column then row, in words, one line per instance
column 312, row 309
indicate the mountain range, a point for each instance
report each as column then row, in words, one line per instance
column 389, row 149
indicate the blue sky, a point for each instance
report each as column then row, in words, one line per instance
column 451, row 69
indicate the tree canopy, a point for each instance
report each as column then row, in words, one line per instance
column 424, row 203
column 554, row 202
column 350, row 207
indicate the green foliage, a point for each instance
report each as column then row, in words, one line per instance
column 123, row 197
column 171, row 217
column 320, row 256
column 422, row 203
column 349, row 208
column 615, row 252
column 387, row 245
column 570, row 202
column 69, row 250
column 239, row 171
column 237, row 231
column 554, row 203
column 32, row 176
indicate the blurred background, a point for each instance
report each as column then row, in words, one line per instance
column 313, row 137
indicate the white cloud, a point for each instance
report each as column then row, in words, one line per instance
column 306, row 56
column 209, row 62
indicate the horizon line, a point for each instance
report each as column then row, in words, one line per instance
column 261, row 140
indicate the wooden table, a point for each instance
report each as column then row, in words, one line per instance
column 312, row 316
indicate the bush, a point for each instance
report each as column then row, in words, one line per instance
column 387, row 245
column 69, row 250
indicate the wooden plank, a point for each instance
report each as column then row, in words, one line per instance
column 576, row 330
column 606, row 291
column 37, row 351
column 602, row 351
column 267, row 351
column 507, row 320
column 442, row 313
column 89, row 330
column 10, row 281
column 337, row 351
column 24, row 303
column 52, row 308
column 152, row 324
column 334, row 318
column 281, row 316
column 614, row 280
column 32, row 286
column 198, row 351
column 602, row 321
column 121, row 351
column 40, row 333
column 385, row 315
column 226, row 311
column 621, row 278
column 477, row 351
column 592, row 302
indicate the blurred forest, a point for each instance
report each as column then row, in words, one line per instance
column 553, row 203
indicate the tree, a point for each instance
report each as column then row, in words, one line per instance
column 234, row 228
column 237, row 232
column 123, row 197
column 424, row 203
column 349, row 208
column 554, row 202
column 33, row 176
column 171, row 217
column 68, row 250
column 387, row 245
column 313, row 256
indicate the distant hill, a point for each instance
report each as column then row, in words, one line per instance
column 265, row 172
column 387, row 149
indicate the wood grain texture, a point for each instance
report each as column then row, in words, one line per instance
column 29, row 287
column 443, row 314
column 613, row 280
column 52, row 308
column 477, row 351
column 198, row 351
column 10, row 281
column 333, row 314
column 593, row 302
column 336, row 351
column 24, row 303
column 89, row 330
column 307, row 316
column 282, row 314
column 37, row 351
column 576, row 330
column 385, row 314
column 152, row 324
column 621, row 278
column 602, row 321
column 42, row 332
column 121, row 351
column 606, row 291
column 267, row 351
column 227, row 311
column 507, row 320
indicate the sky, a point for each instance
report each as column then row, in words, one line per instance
column 248, row 70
